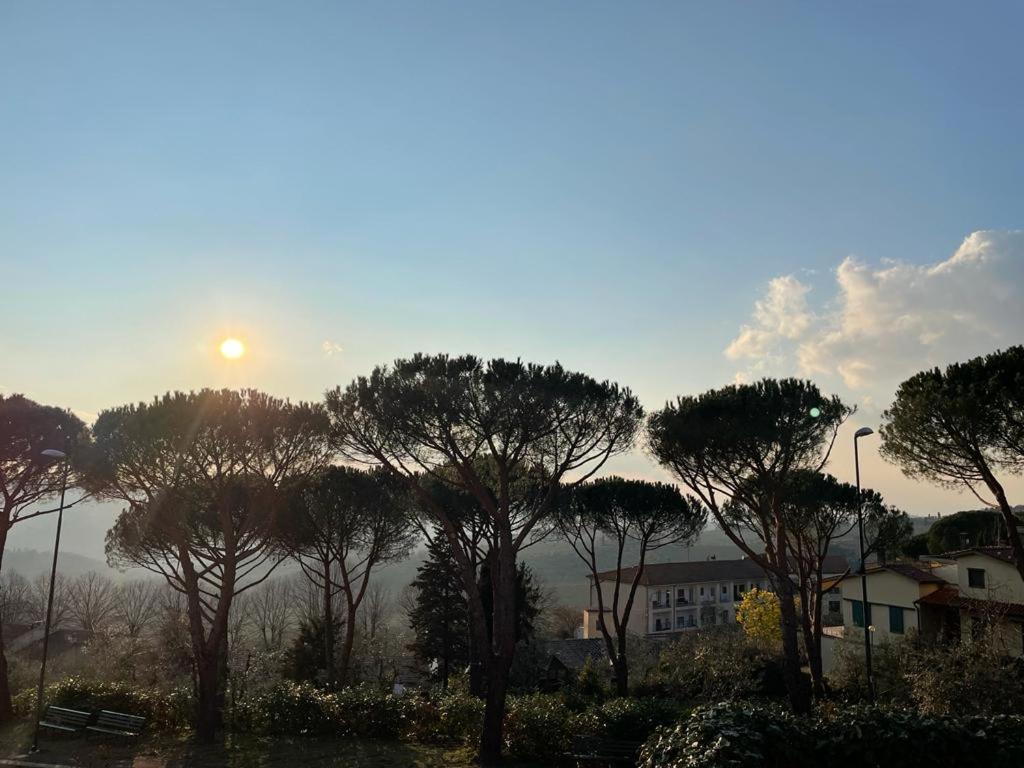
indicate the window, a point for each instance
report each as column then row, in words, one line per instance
column 895, row 620
column 834, row 606
column 858, row 613
column 976, row 578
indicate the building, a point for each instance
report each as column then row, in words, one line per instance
column 894, row 590
column 677, row 597
column 953, row 597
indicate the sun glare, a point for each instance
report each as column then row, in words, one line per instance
column 232, row 349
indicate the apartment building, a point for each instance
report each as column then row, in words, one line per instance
column 677, row 597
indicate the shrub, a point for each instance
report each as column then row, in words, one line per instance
column 628, row 719
column 537, row 727
column 163, row 710
column 287, row 709
column 739, row 736
column 713, row 665
column 730, row 735
column 453, row 718
column 367, row 712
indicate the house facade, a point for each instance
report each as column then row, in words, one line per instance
column 679, row 597
column 957, row 596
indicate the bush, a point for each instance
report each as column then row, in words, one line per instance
column 962, row 678
column 739, row 736
column 453, row 718
column 288, row 709
column 537, row 727
column 163, row 710
column 628, row 719
column 367, row 712
column 713, row 665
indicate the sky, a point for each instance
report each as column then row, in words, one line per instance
column 674, row 196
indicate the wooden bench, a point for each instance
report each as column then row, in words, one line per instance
column 62, row 719
column 596, row 751
column 117, row 724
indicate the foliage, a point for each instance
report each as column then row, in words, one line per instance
column 969, row 528
column 613, row 509
column 976, row 677
column 758, row 614
column 735, row 448
column 625, row 719
column 506, row 433
column 537, row 727
column 163, row 710
column 916, row 546
column 342, row 523
column 729, row 735
column 714, row 665
column 745, row 736
column 439, row 614
column 453, row 718
column 963, row 426
column 203, row 475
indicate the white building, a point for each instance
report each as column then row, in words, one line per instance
column 952, row 597
column 677, row 597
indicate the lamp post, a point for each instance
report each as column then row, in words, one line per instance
column 50, row 453
column 863, row 432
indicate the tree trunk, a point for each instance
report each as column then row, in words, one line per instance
column 491, row 737
column 503, row 645
column 346, row 648
column 1009, row 519
column 210, row 670
column 796, row 686
column 813, row 652
column 621, row 676
column 6, row 707
column 328, row 627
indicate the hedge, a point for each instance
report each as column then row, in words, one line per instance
column 745, row 736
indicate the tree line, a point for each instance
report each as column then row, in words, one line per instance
column 485, row 458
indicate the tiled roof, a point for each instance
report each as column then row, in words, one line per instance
column 918, row 574
column 657, row 574
column 950, row 597
column 999, row 553
column 573, row 654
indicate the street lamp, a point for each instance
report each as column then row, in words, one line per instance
column 863, row 432
column 50, row 453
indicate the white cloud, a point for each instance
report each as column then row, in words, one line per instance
column 331, row 348
column 885, row 322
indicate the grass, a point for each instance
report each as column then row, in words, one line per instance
column 233, row 752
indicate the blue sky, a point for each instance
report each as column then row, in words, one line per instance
column 613, row 185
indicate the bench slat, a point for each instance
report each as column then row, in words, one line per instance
column 118, row 723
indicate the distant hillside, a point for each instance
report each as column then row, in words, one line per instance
column 30, row 563
column 552, row 560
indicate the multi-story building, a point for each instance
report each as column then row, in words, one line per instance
column 676, row 597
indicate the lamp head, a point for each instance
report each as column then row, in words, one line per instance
column 53, row 453
column 863, row 432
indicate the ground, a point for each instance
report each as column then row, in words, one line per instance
column 242, row 752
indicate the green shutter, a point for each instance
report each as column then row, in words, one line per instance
column 895, row 620
column 858, row 613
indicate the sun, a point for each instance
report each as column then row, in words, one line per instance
column 232, row 349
